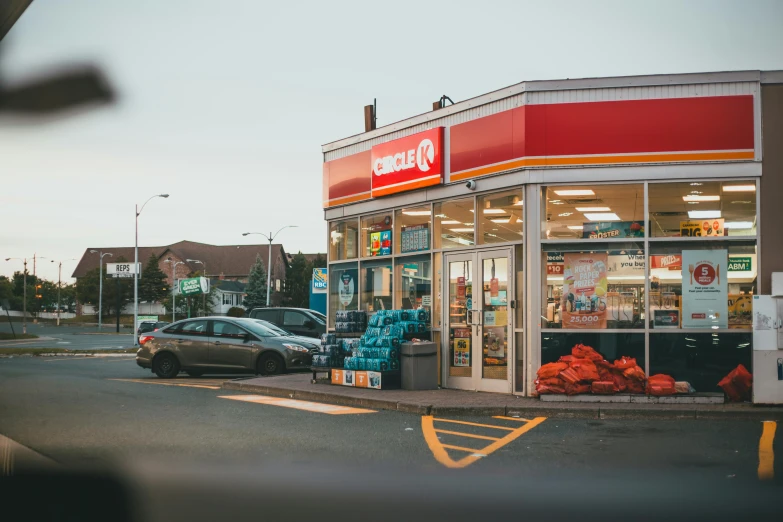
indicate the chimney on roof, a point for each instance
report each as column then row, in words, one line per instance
column 441, row 103
column 370, row 116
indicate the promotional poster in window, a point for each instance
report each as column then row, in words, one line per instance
column 584, row 290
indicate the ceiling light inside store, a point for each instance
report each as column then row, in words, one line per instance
column 565, row 214
column 593, row 209
column 575, row 227
column 602, row 216
column 575, row 192
column 696, row 184
column 461, row 229
column 519, row 220
column 501, row 220
column 703, row 214
column 739, row 188
column 701, row 198
column 738, row 224
column 494, row 211
column 450, row 222
column 416, row 212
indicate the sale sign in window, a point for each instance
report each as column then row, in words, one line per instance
column 583, row 302
column 705, row 289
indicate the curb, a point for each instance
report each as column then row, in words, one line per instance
column 589, row 412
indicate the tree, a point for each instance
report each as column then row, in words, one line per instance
column 297, row 282
column 87, row 287
column 256, row 286
column 236, row 311
column 153, row 285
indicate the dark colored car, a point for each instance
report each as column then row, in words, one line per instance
column 299, row 321
column 150, row 326
column 222, row 344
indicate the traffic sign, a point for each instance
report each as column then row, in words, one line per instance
column 122, row 270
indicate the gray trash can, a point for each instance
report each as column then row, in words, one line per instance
column 419, row 366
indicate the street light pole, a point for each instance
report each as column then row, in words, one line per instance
column 136, row 270
column 203, row 296
column 174, row 288
column 271, row 237
column 100, row 285
column 24, row 292
column 60, row 285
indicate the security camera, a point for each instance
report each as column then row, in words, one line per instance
column 471, row 185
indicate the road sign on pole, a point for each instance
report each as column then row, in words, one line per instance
column 122, row 270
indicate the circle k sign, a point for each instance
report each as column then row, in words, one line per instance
column 407, row 163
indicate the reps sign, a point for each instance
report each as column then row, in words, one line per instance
column 122, row 270
column 408, row 163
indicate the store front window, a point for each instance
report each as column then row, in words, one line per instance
column 377, row 235
column 376, row 286
column 454, row 224
column 703, row 209
column 413, row 283
column 500, row 217
column 597, row 289
column 343, row 240
column 343, row 289
column 413, row 230
column 594, row 212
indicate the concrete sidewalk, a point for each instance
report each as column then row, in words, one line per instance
column 456, row 402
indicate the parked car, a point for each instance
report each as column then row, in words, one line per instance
column 150, row 326
column 299, row 321
column 222, row 344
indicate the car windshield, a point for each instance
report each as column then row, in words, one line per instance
column 258, row 327
column 273, row 327
column 319, row 315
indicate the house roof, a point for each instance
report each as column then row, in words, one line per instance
column 226, row 260
column 309, row 257
column 224, row 285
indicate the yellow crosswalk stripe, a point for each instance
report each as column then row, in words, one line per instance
column 475, row 424
column 317, row 407
column 471, row 435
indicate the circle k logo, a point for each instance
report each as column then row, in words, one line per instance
column 422, row 158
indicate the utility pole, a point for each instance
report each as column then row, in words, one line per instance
column 270, row 238
column 100, row 285
column 136, row 271
column 24, row 292
column 59, row 286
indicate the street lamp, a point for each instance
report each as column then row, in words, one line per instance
column 203, row 296
column 136, row 269
column 24, row 298
column 174, row 288
column 60, row 285
column 100, row 286
column 271, row 237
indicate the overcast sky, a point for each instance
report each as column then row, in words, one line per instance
column 225, row 105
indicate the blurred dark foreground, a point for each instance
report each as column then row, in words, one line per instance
column 182, row 491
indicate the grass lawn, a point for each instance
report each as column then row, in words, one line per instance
column 8, row 336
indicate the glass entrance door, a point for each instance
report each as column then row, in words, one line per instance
column 480, row 331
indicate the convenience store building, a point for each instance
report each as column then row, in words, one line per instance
column 552, row 213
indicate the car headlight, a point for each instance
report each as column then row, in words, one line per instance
column 296, row 348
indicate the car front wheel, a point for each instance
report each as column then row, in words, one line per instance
column 270, row 364
column 165, row 366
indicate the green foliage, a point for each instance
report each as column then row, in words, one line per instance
column 87, row 287
column 256, row 286
column 297, row 282
column 236, row 311
column 153, row 285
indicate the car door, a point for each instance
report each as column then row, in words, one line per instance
column 230, row 346
column 297, row 323
column 191, row 343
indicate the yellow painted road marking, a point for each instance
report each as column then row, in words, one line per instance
column 476, row 424
column 317, row 407
column 207, row 384
column 439, row 449
column 471, row 435
column 766, row 453
column 503, row 417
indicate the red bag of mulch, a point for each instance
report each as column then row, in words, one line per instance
column 623, row 363
column 550, row 389
column 586, row 352
column 738, row 384
column 620, row 383
column 660, row 385
column 577, row 389
column 550, row 370
column 570, row 376
column 603, row 387
column 634, row 386
column 635, row 373
column 554, row 381
column 566, row 359
column 604, row 374
column 586, row 370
